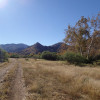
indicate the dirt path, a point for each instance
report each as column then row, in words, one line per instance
column 4, row 70
column 18, row 89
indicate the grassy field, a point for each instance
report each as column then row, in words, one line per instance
column 53, row 80
column 5, row 90
column 3, row 64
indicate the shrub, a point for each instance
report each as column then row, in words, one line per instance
column 60, row 57
column 74, row 58
column 15, row 56
column 36, row 56
column 3, row 56
column 49, row 55
column 93, row 60
column 97, row 57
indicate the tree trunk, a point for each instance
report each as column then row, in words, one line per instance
column 89, row 47
column 81, row 51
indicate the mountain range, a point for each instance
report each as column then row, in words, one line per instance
column 36, row 48
column 12, row 48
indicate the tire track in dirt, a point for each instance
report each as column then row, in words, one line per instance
column 6, row 69
column 18, row 88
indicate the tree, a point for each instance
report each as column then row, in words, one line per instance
column 3, row 55
column 84, row 36
column 63, row 48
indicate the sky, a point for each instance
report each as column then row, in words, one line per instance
column 44, row 21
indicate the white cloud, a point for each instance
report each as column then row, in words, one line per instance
column 3, row 3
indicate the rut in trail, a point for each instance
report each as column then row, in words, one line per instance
column 18, row 88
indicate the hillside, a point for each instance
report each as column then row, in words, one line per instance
column 13, row 47
column 38, row 48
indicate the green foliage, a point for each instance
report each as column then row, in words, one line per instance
column 49, row 55
column 94, row 59
column 26, row 56
column 37, row 56
column 15, row 56
column 3, row 56
column 74, row 58
column 97, row 57
column 60, row 57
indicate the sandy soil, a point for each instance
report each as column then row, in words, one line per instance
column 18, row 88
column 14, row 71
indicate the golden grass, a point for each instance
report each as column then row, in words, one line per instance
column 5, row 89
column 3, row 64
column 53, row 80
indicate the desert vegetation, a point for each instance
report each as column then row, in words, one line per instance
column 49, row 55
column 54, row 80
column 5, row 90
column 3, row 56
column 38, row 79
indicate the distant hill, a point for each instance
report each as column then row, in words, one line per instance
column 35, row 49
column 38, row 48
column 13, row 47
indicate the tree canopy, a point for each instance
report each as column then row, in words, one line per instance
column 85, row 36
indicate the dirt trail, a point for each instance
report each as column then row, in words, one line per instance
column 4, row 70
column 18, row 89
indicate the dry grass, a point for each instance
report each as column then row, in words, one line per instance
column 3, row 64
column 5, row 89
column 48, row 80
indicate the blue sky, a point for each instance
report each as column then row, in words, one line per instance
column 44, row 21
